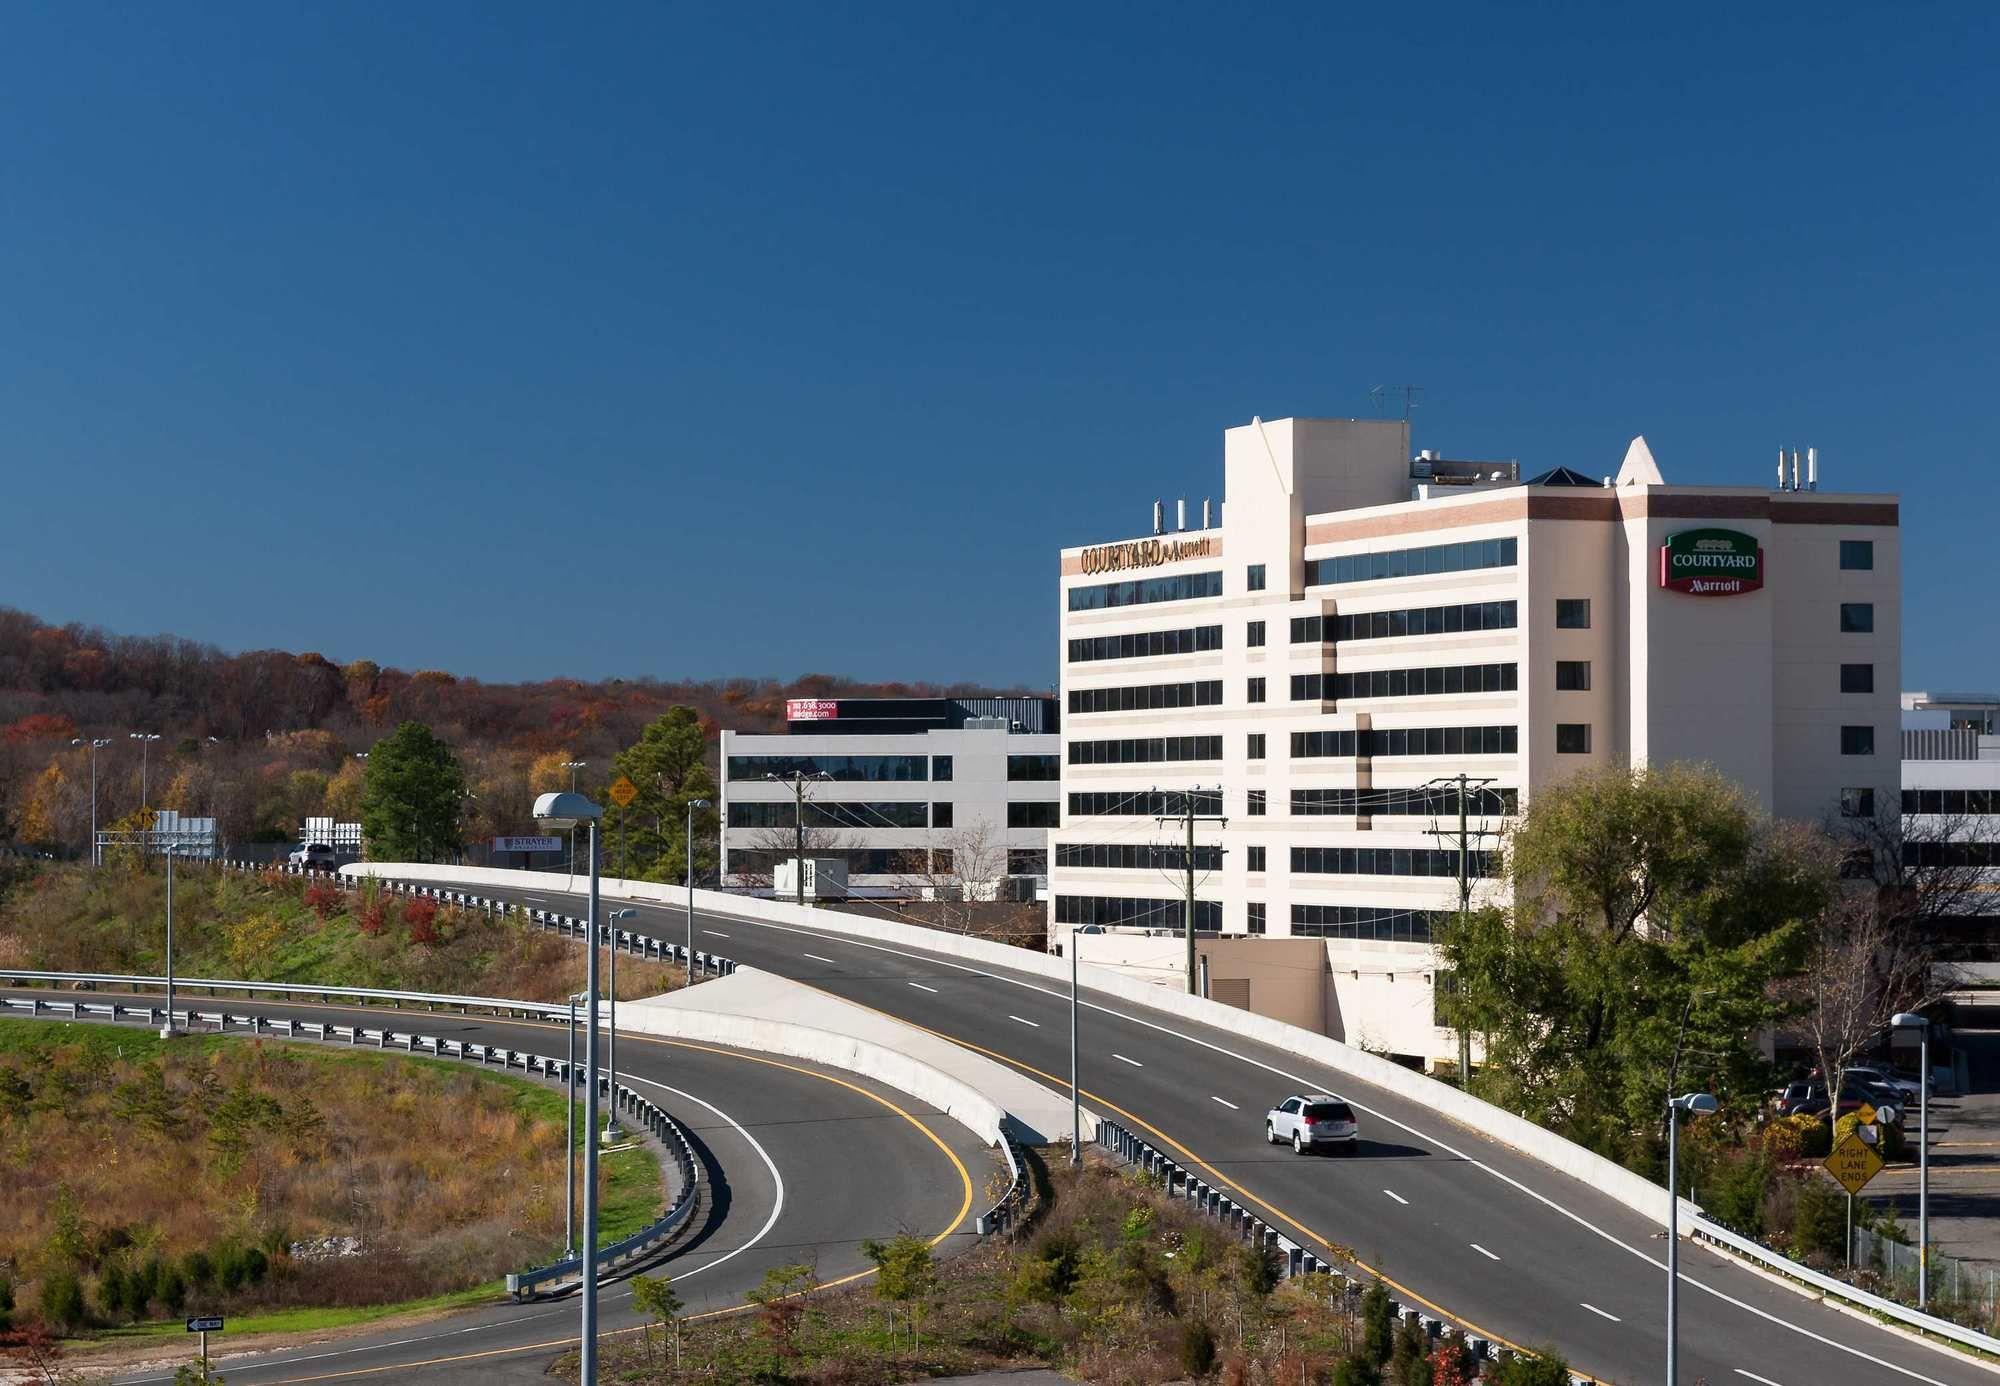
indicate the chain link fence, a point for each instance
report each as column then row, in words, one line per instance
column 1953, row 1282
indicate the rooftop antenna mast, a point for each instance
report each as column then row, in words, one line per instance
column 1384, row 394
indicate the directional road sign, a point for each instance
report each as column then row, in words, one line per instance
column 1853, row 1163
column 207, row 1323
column 623, row 792
column 1866, row 1113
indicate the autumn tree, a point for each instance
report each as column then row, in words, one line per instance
column 412, row 798
column 668, row 766
column 1633, row 893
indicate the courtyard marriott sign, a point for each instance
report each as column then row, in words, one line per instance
column 1145, row 553
column 1712, row 562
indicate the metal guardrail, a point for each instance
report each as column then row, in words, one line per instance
column 642, row 946
column 1292, row 1258
column 630, row 1104
column 1784, row 1265
column 1001, row 1215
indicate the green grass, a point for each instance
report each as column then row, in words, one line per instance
column 634, row 1193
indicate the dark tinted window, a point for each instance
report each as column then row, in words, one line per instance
column 1857, row 678
column 1329, row 1111
column 1857, row 554
column 1254, row 634
column 1857, row 741
column 1395, row 563
column 1573, row 675
column 1572, row 613
column 1857, row 618
column 1039, row 814
column 1145, row 644
column 1256, row 577
column 1573, row 738
column 1142, row 591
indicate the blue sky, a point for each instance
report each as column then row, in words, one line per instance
column 536, row 340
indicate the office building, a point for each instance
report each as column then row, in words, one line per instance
column 912, row 795
column 1360, row 626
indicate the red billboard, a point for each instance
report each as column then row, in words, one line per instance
column 811, row 709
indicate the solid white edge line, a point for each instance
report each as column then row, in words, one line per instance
column 1600, row 1313
column 1544, row 1199
column 1031, row 1024
column 1482, row 1251
column 1225, row 1102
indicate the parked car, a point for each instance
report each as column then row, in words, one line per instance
column 1808, row 1098
column 1313, row 1122
column 1794, row 1099
column 1907, row 1089
column 319, row 856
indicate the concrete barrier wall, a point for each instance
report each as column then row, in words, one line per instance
column 952, row 1096
column 1637, row 1193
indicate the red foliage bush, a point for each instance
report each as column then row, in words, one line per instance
column 374, row 917
column 323, row 897
column 421, row 915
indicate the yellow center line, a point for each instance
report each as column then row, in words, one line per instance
column 958, row 1218
column 1217, row 1175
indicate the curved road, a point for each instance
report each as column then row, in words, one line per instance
column 1489, row 1238
column 788, row 1146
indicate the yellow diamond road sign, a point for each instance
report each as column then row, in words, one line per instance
column 1853, row 1164
column 1866, row 1111
column 623, row 792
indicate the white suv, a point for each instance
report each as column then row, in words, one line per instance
column 1311, row 1122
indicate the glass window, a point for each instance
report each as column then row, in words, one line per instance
column 1256, row 577
column 1573, row 675
column 940, row 767
column 1573, row 738
column 1256, row 690
column 1255, row 749
column 831, row 767
column 941, row 813
column 1857, row 618
column 1255, row 857
column 1034, row 767
column 1857, row 741
column 1146, row 643
column 1027, row 861
column 1857, row 803
column 1395, row 563
column 1257, row 801
column 1038, row 813
column 1572, row 613
column 1254, row 634
column 1180, row 588
column 1253, row 917
column 1857, row 555
column 1857, row 678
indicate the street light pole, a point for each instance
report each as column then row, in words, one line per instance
column 693, row 804
column 1910, row 1020
column 145, row 740
column 611, row 1131
column 569, row 1137
column 570, row 811
column 1075, row 1110
column 167, row 1028
column 1694, row 1104
column 93, row 743
column 573, row 766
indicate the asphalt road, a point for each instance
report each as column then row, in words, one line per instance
column 789, row 1150
column 1489, row 1238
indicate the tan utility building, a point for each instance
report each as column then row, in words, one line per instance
column 1361, row 625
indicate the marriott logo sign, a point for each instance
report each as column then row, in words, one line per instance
column 1712, row 562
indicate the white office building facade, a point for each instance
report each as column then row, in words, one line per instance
column 1362, row 625
column 909, row 795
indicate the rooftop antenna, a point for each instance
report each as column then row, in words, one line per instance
column 1382, row 394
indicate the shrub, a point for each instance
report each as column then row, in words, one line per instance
column 1814, row 1139
column 173, row 1292
column 1410, row 1365
column 1736, row 1195
column 61, row 1300
column 198, row 1269
column 1782, row 1138
column 6, row 1304
column 1548, row 1368
column 111, row 1293
column 374, row 917
column 1451, row 1365
column 323, row 898
column 1357, row 1371
column 1197, row 1348
column 1819, row 1220
column 421, row 915
column 1378, row 1324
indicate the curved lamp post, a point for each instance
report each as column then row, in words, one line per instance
column 1694, row 1104
column 572, row 811
column 693, row 804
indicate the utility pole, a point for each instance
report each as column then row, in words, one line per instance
column 798, row 783
column 1461, row 784
column 1189, row 818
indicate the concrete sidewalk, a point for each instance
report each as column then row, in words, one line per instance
column 1038, row 1115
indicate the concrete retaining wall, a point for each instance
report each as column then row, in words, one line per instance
column 1615, row 1181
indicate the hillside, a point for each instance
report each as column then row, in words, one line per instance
column 263, row 738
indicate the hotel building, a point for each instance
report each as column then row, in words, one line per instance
column 1361, row 625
